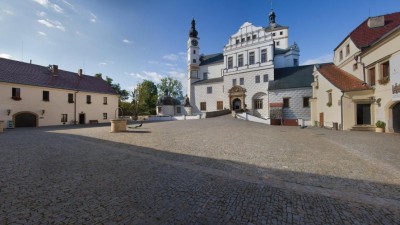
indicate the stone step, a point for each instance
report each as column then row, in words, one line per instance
column 363, row 128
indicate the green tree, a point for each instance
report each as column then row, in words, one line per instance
column 145, row 98
column 123, row 94
column 173, row 86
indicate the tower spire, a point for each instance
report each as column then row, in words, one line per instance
column 193, row 32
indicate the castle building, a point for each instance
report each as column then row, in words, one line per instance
column 239, row 78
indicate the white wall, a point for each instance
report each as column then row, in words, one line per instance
column 296, row 109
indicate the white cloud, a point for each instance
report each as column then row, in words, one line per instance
column 47, row 4
column 322, row 59
column 146, row 75
column 41, row 14
column 126, row 41
column 93, row 17
column 102, row 64
column 9, row 12
column 153, row 62
column 169, row 64
column 42, row 33
column 172, row 57
column 4, row 55
column 67, row 3
column 52, row 24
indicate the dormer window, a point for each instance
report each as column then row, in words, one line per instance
column 243, row 39
column 254, row 36
column 341, row 55
column 237, row 41
column 347, row 49
column 194, row 60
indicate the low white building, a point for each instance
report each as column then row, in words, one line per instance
column 34, row 96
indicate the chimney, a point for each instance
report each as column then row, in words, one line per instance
column 80, row 72
column 54, row 70
column 378, row 21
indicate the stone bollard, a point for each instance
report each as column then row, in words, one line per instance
column 118, row 125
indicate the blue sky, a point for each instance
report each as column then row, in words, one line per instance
column 132, row 40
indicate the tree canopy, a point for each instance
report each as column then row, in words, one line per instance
column 145, row 97
column 173, row 86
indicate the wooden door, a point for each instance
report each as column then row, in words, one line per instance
column 321, row 119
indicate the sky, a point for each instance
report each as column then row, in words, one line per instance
column 133, row 40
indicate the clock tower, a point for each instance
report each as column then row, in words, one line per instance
column 193, row 54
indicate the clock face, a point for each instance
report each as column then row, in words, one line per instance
column 194, row 42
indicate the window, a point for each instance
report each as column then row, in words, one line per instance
column 371, row 76
column 347, row 49
column 251, row 58
column 329, row 103
column 241, row 81
column 104, row 116
column 273, row 34
column 265, row 77
column 205, row 76
column 64, row 118
column 240, row 60
column 243, row 39
column 230, row 62
column 306, row 102
column 194, row 51
column 203, row 106
column 237, row 41
column 220, row 105
column 248, row 38
column 209, row 90
column 194, row 61
column 281, row 33
column 16, row 94
column 233, row 82
column 46, row 96
column 278, row 43
column 340, row 55
column 258, row 103
column 193, row 73
column 355, row 66
column 178, row 109
column 254, row 36
column 88, row 99
column 70, row 98
column 257, row 79
column 286, row 103
column 295, row 62
column 159, row 109
column 104, row 100
column 385, row 70
column 263, row 55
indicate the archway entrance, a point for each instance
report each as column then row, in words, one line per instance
column 25, row 119
column 396, row 118
column 237, row 98
column 236, row 104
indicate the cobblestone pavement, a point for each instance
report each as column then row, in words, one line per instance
column 213, row 171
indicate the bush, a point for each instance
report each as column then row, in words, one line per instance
column 380, row 124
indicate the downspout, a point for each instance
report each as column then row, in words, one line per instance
column 341, row 110
column 75, row 107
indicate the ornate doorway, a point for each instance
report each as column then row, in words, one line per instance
column 237, row 98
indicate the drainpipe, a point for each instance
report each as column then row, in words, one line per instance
column 75, row 107
column 341, row 110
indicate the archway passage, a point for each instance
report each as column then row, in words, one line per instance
column 25, row 119
column 396, row 118
column 236, row 104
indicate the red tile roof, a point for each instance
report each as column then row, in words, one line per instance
column 29, row 74
column 363, row 36
column 341, row 79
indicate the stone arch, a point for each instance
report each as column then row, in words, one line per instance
column 237, row 93
column 393, row 113
column 25, row 119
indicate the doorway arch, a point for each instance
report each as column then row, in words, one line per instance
column 237, row 97
column 25, row 119
column 236, row 104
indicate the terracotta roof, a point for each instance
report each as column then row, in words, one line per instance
column 363, row 36
column 341, row 79
column 29, row 74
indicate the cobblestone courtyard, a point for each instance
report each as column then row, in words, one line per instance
column 213, row 171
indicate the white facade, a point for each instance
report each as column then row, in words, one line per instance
column 238, row 78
